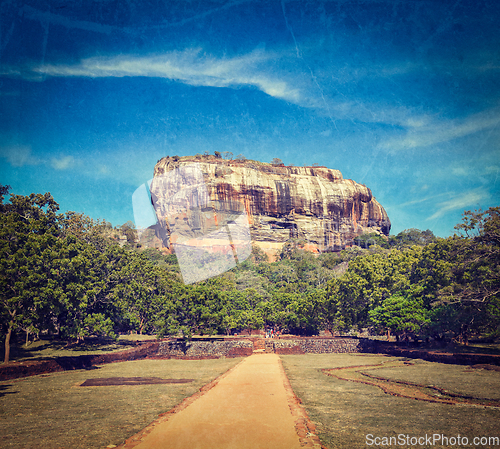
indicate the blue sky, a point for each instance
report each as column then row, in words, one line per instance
column 403, row 96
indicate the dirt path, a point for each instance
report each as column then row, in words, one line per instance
column 252, row 406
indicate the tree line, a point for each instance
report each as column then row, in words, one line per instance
column 66, row 274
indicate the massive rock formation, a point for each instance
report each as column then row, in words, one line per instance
column 198, row 196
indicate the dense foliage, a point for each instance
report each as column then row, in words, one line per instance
column 69, row 275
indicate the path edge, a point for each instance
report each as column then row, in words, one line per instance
column 137, row 438
column 305, row 428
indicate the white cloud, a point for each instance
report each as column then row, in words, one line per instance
column 417, row 122
column 444, row 131
column 464, row 200
column 189, row 66
column 276, row 75
column 63, row 162
column 460, row 171
column 19, row 155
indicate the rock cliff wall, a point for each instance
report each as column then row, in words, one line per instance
column 315, row 204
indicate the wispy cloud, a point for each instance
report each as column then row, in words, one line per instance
column 460, row 171
column 423, row 200
column 63, row 162
column 277, row 75
column 349, row 73
column 19, row 155
column 434, row 133
column 22, row 156
column 462, row 201
column 191, row 67
column 273, row 73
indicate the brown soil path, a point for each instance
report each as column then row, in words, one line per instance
column 252, row 406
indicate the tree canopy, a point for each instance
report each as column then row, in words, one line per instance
column 69, row 275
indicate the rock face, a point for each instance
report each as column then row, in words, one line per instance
column 314, row 204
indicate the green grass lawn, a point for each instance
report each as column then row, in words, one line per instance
column 346, row 412
column 53, row 411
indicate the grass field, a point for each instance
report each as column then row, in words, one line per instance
column 345, row 412
column 54, row 411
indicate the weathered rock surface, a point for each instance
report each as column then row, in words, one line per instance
column 315, row 204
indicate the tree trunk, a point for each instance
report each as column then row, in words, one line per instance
column 463, row 337
column 7, row 344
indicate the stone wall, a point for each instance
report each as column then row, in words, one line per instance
column 322, row 345
column 240, row 347
column 204, row 349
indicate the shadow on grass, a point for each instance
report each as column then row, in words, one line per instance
column 3, row 392
column 50, row 348
column 489, row 349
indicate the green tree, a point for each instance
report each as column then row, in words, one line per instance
column 28, row 230
column 307, row 312
column 86, row 278
column 472, row 290
column 370, row 239
column 141, row 291
column 410, row 237
column 129, row 231
column 249, row 319
column 402, row 315
column 198, row 309
column 369, row 280
column 331, row 312
column 480, row 267
column 258, row 255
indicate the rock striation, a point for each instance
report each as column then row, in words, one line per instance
column 313, row 204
